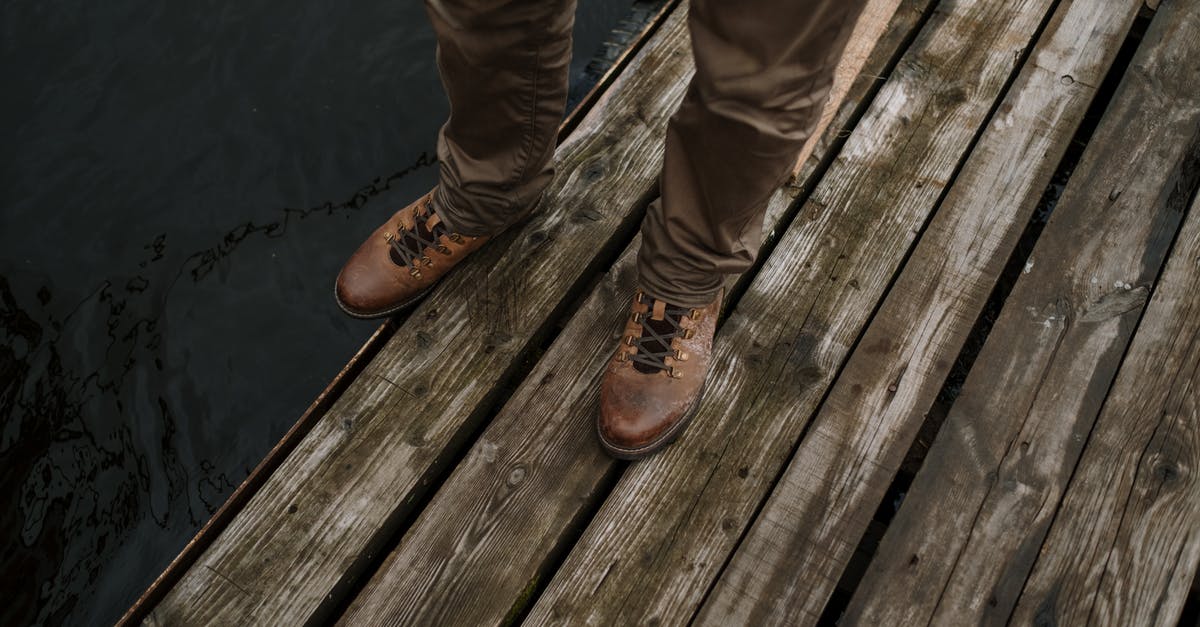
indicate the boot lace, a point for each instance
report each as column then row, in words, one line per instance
column 654, row 345
column 409, row 245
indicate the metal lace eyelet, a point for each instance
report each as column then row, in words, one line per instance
column 444, row 249
column 675, row 373
column 456, row 238
column 696, row 314
column 637, row 317
column 426, row 260
column 622, row 356
column 416, row 274
column 689, row 334
column 628, row 340
column 680, row 355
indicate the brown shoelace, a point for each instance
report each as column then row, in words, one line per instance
column 654, row 345
column 409, row 245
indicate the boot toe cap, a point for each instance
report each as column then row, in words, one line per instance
column 633, row 418
column 365, row 292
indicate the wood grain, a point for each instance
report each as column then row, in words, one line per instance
column 518, row 498
column 1126, row 542
column 967, row 535
column 660, row 539
column 302, row 541
column 786, row 568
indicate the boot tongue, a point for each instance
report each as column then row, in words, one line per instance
column 424, row 225
column 410, row 243
column 660, row 310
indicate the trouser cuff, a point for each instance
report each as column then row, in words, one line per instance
column 475, row 219
column 694, row 292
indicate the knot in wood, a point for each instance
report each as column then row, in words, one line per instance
column 516, row 476
column 1166, row 471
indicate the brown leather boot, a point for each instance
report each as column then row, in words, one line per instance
column 655, row 378
column 400, row 261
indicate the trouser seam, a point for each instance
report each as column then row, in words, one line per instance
column 531, row 129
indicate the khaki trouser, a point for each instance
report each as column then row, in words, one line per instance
column 763, row 71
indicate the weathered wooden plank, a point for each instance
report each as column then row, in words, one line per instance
column 659, row 540
column 307, row 535
column 959, row 550
column 1125, row 544
column 140, row 609
column 785, row 569
column 536, row 473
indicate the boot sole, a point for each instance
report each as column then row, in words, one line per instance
column 386, row 313
column 666, row 439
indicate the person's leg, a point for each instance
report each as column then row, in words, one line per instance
column 504, row 65
column 763, row 71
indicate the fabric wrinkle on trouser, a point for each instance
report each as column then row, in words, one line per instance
column 504, row 65
column 764, row 69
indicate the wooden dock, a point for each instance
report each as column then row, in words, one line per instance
column 455, row 478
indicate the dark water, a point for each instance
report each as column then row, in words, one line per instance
column 181, row 182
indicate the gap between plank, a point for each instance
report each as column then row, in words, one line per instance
column 914, row 458
column 1016, row 71
column 1190, row 165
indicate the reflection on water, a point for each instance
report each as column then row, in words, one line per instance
column 183, row 181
